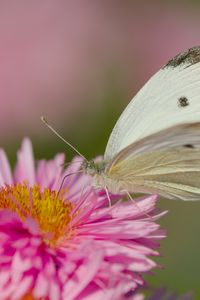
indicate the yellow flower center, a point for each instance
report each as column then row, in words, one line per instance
column 46, row 207
column 30, row 297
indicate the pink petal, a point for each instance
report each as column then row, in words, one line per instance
column 54, row 293
column 49, row 173
column 2, row 181
column 41, row 286
column 24, row 287
column 25, row 170
column 83, row 275
column 4, row 277
column 5, row 168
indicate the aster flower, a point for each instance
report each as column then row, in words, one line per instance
column 69, row 245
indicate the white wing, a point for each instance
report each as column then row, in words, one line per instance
column 166, row 163
column 171, row 97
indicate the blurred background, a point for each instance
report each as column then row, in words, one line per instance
column 79, row 63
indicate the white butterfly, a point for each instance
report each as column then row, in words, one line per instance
column 154, row 146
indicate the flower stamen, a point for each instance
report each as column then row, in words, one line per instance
column 51, row 212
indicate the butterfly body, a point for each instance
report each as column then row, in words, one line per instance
column 100, row 177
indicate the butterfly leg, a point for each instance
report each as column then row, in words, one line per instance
column 135, row 203
column 108, row 196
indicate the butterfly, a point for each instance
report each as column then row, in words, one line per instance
column 154, row 147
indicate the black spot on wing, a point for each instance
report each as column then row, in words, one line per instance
column 189, row 146
column 183, row 101
column 188, row 58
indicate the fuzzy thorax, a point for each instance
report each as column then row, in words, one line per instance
column 93, row 168
column 100, row 177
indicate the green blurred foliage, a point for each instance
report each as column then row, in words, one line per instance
column 179, row 259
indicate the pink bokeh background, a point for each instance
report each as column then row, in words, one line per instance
column 55, row 56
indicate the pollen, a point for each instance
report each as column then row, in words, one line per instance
column 48, row 208
column 30, row 297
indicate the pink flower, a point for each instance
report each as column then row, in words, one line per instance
column 71, row 244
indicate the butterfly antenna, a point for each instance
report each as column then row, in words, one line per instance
column 65, row 177
column 70, row 163
column 58, row 135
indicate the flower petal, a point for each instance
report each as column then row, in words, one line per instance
column 25, row 170
column 5, row 170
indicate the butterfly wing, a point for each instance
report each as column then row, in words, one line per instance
column 166, row 163
column 171, row 97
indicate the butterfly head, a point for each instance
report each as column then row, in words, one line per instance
column 93, row 168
